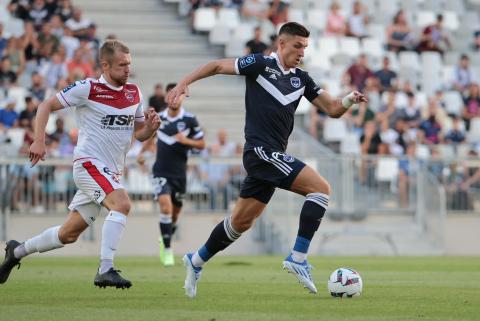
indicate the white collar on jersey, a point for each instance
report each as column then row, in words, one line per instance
column 102, row 80
column 172, row 119
column 285, row 71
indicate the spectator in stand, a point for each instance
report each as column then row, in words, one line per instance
column 157, row 100
column 335, row 22
column 273, row 44
column 78, row 24
column 386, row 76
column 371, row 142
column 455, row 135
column 255, row 10
column 64, row 9
column 8, row 115
column 31, row 47
column 91, row 37
column 279, row 11
column 16, row 55
column 405, row 174
column 399, row 34
column 411, row 113
column 361, row 116
column 430, row 129
column 256, row 45
column 395, row 137
column 27, row 115
column 3, row 41
column 357, row 22
column 356, row 75
column 47, row 41
column 472, row 104
column 7, row 76
column 54, row 70
column 476, row 41
column 37, row 90
column 65, row 148
column 70, row 43
column 434, row 37
column 78, row 68
column 60, row 134
column 38, row 14
column 463, row 74
column 57, row 26
column 223, row 147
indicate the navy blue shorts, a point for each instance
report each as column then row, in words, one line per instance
column 267, row 170
column 175, row 187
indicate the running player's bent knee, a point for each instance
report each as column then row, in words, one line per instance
column 242, row 223
column 67, row 237
column 122, row 206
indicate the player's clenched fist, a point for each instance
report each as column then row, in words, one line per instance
column 37, row 152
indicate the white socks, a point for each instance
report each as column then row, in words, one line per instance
column 111, row 234
column 43, row 242
column 299, row 256
column 197, row 260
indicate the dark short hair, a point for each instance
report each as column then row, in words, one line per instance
column 294, row 29
column 170, row 86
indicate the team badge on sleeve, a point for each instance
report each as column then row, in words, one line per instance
column 246, row 61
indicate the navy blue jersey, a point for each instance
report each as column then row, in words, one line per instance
column 271, row 98
column 172, row 156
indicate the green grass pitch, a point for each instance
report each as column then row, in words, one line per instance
column 244, row 288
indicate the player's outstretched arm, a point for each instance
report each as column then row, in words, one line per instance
column 37, row 149
column 215, row 67
column 336, row 107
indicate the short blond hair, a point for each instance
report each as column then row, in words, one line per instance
column 109, row 47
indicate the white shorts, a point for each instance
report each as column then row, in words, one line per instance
column 94, row 181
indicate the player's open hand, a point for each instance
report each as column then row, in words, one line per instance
column 175, row 93
column 152, row 121
column 37, row 152
column 358, row 97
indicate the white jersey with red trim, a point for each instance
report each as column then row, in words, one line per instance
column 105, row 117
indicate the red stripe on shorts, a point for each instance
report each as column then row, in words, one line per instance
column 101, row 180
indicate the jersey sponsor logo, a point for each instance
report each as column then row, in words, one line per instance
column 246, row 61
column 272, row 76
column 104, row 96
column 181, row 126
column 273, row 71
column 295, row 82
column 118, row 122
column 69, row 87
column 99, row 89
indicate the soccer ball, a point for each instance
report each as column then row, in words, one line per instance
column 345, row 282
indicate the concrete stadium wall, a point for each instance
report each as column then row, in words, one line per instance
column 462, row 235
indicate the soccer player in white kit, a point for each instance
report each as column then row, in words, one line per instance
column 109, row 112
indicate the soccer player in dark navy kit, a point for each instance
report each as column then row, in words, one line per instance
column 177, row 135
column 274, row 86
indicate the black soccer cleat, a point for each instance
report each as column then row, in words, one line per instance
column 9, row 262
column 111, row 278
